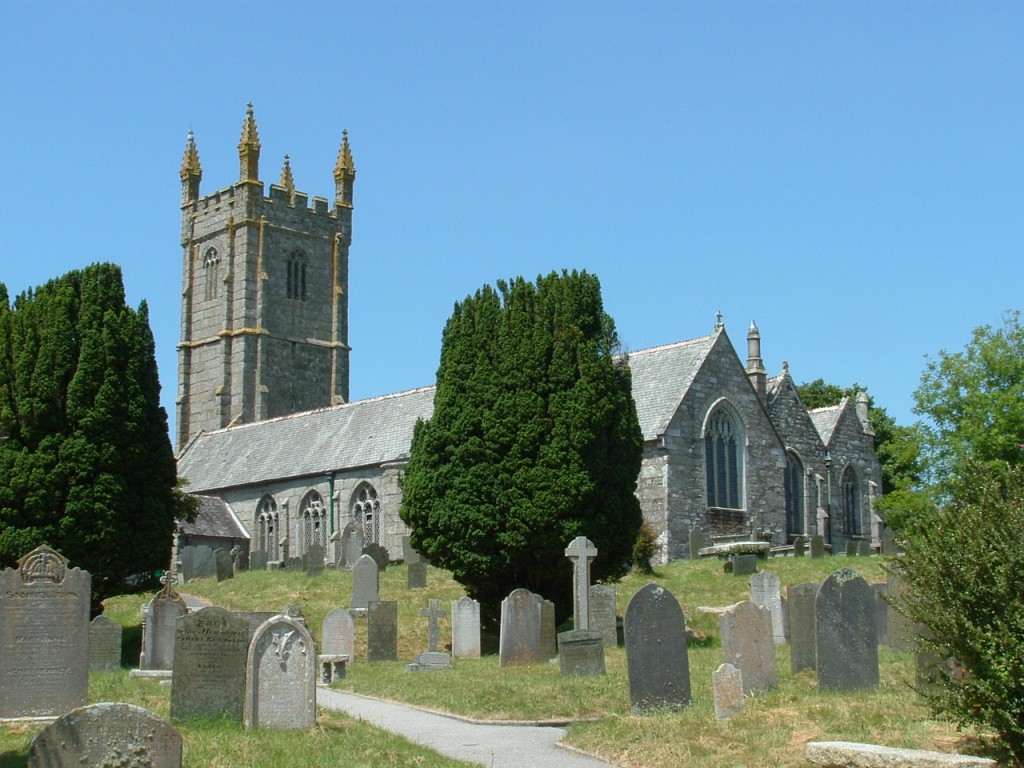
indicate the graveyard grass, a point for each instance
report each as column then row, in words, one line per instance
column 771, row 730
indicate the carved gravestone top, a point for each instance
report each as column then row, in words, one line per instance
column 210, row 651
column 657, row 660
column 160, row 616
column 846, row 633
column 748, row 645
column 432, row 614
column 44, row 636
column 280, row 676
column 107, row 734
column 520, row 629
column 365, row 582
column 337, row 637
column 581, row 551
column 104, row 644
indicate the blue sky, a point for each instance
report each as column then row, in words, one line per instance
column 848, row 175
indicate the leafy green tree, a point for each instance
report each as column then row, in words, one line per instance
column 534, row 440
column 962, row 576
column 85, row 460
column 974, row 402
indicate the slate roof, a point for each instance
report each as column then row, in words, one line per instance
column 376, row 431
column 826, row 419
column 214, row 518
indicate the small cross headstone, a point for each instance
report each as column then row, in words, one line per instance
column 365, row 582
column 210, row 651
column 338, row 634
column 382, row 630
column 107, row 734
column 817, row 546
column 104, row 644
column 520, row 629
column 602, row 613
column 748, row 645
column 727, row 682
column 465, row 628
column 280, row 676
column 657, row 660
column 432, row 614
column 766, row 591
column 801, row 626
column 581, row 551
column 846, row 634
column 160, row 616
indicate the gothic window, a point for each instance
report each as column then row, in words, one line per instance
column 724, row 461
column 314, row 521
column 211, row 273
column 268, row 536
column 793, row 482
column 297, row 276
column 850, row 500
column 366, row 511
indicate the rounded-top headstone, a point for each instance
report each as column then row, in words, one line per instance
column 657, row 660
column 846, row 633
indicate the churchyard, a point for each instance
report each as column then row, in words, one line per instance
column 772, row 727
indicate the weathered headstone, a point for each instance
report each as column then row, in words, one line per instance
column 581, row 551
column 581, row 653
column 107, row 734
column 186, row 556
column 253, row 620
column 817, row 546
column 727, row 686
column 203, row 566
column 379, row 555
column 766, row 591
column 432, row 614
column 852, row 548
column 104, row 643
column 351, row 545
column 258, row 560
column 365, row 582
column 882, row 614
column 416, row 577
column 846, row 634
column 293, row 563
column 280, row 676
column 657, row 661
column 409, row 554
column 548, row 630
column 602, row 613
column 801, row 625
column 465, row 628
column 889, row 542
column 313, row 560
column 382, row 630
column 744, row 565
column 160, row 616
column 799, row 546
column 864, row 548
column 241, row 558
column 224, row 564
column 210, row 651
column 44, row 636
column 519, row 642
column 748, row 645
column 901, row 629
column 698, row 541
column 338, row 636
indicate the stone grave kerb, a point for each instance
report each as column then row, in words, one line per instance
column 581, row 551
column 432, row 614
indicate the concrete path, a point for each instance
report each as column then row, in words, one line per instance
column 495, row 746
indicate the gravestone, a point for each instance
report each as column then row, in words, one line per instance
column 465, row 628
column 280, row 676
column 548, row 643
column 416, row 577
column 744, row 565
column 379, row 555
column 657, row 661
column 338, row 636
column 817, row 546
column 581, row 653
column 889, row 542
column 293, row 563
column 519, row 642
column 241, row 558
column 727, row 686
column 210, row 650
column 107, row 734
column 852, row 548
column 581, row 551
column 44, row 636
column 253, row 620
column 748, row 645
column 801, row 626
column 203, row 566
column 882, row 614
column 186, row 556
column 863, row 548
column 799, row 546
column 766, row 591
column 160, row 616
column 313, row 560
column 602, row 614
column 104, row 644
column 382, row 630
column 901, row 629
column 409, row 554
column 432, row 614
column 258, row 560
column 224, row 564
column 846, row 634
column 365, row 582
column 698, row 541
column 351, row 545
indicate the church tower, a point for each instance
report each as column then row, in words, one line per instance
column 264, row 300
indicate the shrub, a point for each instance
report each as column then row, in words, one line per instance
column 644, row 548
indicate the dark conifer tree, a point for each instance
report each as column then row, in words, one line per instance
column 534, row 440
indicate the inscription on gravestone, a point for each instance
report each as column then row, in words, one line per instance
column 280, row 676
column 748, row 645
column 382, row 630
column 44, row 636
column 846, row 638
column 104, row 644
column 210, row 650
column 657, row 660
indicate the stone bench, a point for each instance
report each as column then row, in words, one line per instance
column 848, row 754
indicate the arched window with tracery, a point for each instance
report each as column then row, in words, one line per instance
column 297, row 275
column 211, row 273
column 793, row 482
column 723, row 454
column 366, row 511
column 314, row 521
column 268, row 537
column 850, row 500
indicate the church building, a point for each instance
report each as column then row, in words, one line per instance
column 267, row 435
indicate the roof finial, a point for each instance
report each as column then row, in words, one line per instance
column 287, row 180
column 344, row 174
column 191, row 171
column 249, row 147
column 719, row 325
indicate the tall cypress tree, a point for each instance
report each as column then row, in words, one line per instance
column 86, row 464
column 534, row 440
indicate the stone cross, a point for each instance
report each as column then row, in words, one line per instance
column 581, row 551
column 432, row 614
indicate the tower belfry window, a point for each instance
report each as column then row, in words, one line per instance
column 296, row 284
